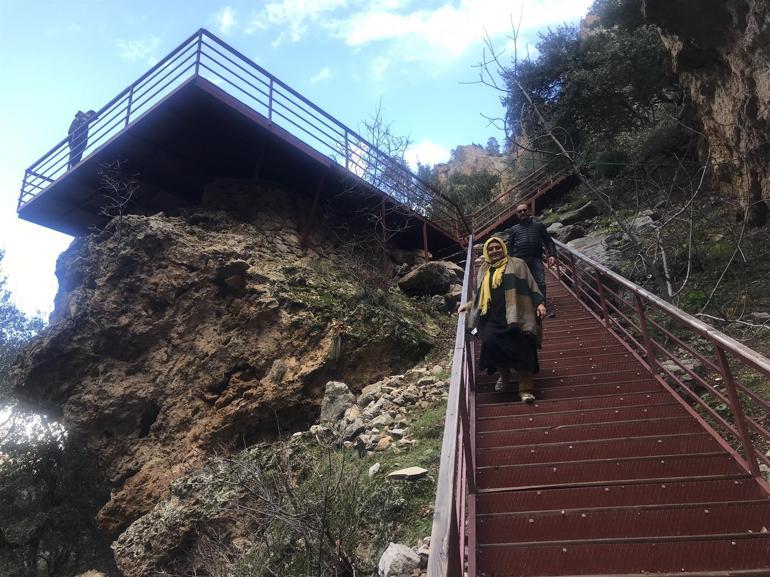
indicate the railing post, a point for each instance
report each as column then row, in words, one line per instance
column 575, row 277
column 270, row 101
column 198, row 53
column 347, row 152
column 128, row 106
column 602, row 299
column 652, row 360
column 740, row 418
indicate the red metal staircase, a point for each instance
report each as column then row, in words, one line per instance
column 616, row 469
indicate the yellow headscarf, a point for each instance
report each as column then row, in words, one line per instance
column 496, row 269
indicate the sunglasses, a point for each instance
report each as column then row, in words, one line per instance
column 523, row 210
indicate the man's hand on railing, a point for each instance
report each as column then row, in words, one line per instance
column 463, row 307
column 551, row 260
column 541, row 311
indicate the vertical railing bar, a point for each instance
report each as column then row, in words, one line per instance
column 128, row 105
column 270, row 101
column 740, row 418
column 198, row 52
column 602, row 298
column 649, row 344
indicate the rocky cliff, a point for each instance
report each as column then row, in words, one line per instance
column 721, row 51
column 174, row 338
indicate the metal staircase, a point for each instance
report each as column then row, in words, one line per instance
column 622, row 466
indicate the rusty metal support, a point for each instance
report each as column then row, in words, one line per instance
column 740, row 418
column 575, row 277
column 649, row 345
column 602, row 299
column 128, row 105
column 198, row 52
column 311, row 216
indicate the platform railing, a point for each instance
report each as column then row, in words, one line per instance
column 205, row 56
column 454, row 512
column 726, row 384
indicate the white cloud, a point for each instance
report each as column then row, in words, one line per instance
column 293, row 17
column 426, row 152
column 324, row 74
column 409, row 31
column 139, row 49
column 226, row 20
column 445, row 33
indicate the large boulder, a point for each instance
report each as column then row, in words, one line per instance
column 604, row 249
column 398, row 561
column 566, row 233
column 588, row 210
column 429, row 279
column 337, row 399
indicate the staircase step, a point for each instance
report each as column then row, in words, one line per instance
column 738, row 489
column 537, row 419
column 634, row 521
column 587, row 432
column 602, row 472
column 655, row 446
column 687, row 556
column 654, row 396
column 552, row 391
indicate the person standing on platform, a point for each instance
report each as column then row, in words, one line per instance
column 77, row 135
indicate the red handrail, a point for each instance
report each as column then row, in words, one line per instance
column 454, row 512
column 667, row 340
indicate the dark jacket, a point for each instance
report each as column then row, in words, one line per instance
column 527, row 240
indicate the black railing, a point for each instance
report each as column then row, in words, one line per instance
column 203, row 55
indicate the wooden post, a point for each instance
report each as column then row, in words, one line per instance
column 425, row 240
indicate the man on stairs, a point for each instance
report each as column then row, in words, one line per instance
column 526, row 241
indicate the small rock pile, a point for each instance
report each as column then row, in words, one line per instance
column 377, row 420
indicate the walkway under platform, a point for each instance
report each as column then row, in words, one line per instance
column 607, row 473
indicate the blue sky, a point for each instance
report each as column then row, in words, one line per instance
column 344, row 55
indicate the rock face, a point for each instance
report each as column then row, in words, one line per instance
column 178, row 336
column 721, row 50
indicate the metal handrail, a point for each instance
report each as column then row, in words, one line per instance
column 660, row 334
column 204, row 56
column 525, row 191
column 454, row 512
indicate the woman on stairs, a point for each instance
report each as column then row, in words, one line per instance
column 506, row 310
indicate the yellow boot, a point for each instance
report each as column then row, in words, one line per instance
column 526, row 387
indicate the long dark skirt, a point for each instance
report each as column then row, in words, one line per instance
column 504, row 346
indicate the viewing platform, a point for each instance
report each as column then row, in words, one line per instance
column 206, row 112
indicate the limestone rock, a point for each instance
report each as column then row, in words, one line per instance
column 384, row 443
column 398, row 561
column 337, row 399
column 588, row 210
column 186, row 335
column 567, row 233
column 410, row 473
column 429, row 279
column 720, row 52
